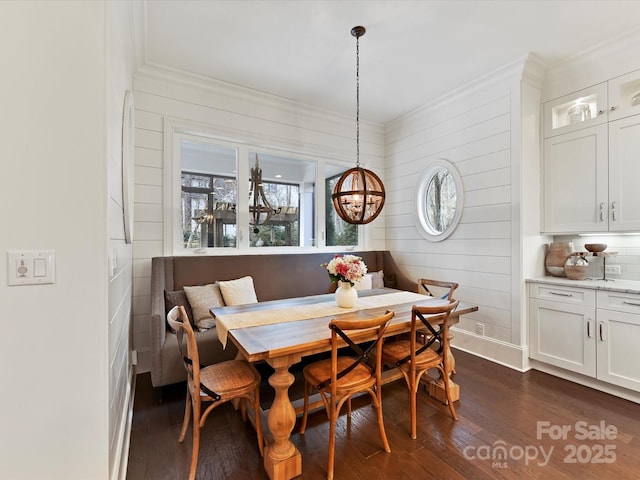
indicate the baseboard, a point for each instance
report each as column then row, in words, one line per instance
column 587, row 381
column 122, row 460
column 517, row 358
column 503, row 353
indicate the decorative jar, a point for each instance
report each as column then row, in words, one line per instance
column 578, row 113
column 576, row 267
column 556, row 257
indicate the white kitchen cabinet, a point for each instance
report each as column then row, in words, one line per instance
column 618, row 339
column 575, row 111
column 623, row 96
column 604, row 102
column 562, row 327
column 588, row 331
column 590, row 165
column 624, row 173
column 575, row 181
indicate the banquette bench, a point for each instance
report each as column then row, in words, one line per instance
column 275, row 276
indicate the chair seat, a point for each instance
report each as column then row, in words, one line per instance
column 320, row 371
column 230, row 377
column 393, row 352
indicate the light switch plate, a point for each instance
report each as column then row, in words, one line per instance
column 31, row 267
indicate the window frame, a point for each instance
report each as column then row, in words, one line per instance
column 176, row 131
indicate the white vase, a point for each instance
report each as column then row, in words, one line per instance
column 346, row 295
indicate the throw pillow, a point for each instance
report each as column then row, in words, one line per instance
column 202, row 298
column 238, row 292
column 365, row 283
column 174, row 299
column 377, row 279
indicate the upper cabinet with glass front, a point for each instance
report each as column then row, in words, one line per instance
column 575, row 111
column 604, row 102
column 624, row 95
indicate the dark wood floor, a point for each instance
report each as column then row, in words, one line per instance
column 499, row 408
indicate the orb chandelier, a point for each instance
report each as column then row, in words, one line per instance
column 260, row 210
column 359, row 195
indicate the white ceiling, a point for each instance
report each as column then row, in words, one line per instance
column 413, row 51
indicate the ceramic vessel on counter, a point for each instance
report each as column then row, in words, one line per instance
column 556, row 258
column 576, row 267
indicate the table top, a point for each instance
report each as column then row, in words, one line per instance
column 305, row 337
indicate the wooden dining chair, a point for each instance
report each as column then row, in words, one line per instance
column 340, row 377
column 413, row 359
column 217, row 384
column 425, row 286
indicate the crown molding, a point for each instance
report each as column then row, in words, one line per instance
column 174, row 77
column 597, row 64
column 515, row 70
column 534, row 70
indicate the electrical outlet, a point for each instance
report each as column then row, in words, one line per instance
column 613, row 269
column 480, row 329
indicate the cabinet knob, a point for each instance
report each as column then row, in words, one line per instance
column 613, row 108
column 602, row 211
column 601, row 112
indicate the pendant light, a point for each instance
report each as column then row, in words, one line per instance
column 359, row 195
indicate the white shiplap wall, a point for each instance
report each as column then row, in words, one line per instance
column 478, row 129
column 120, row 67
column 230, row 112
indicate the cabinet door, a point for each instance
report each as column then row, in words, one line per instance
column 618, row 338
column 575, row 181
column 623, row 95
column 575, row 111
column 563, row 335
column 624, row 172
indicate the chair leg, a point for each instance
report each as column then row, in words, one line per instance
column 305, row 409
column 196, row 440
column 333, row 418
column 383, row 433
column 413, row 393
column 187, row 417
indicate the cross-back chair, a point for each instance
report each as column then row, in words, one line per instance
column 340, row 377
column 413, row 359
column 217, row 384
column 425, row 286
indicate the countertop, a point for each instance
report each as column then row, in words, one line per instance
column 611, row 285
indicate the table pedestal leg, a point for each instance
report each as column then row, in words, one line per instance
column 436, row 387
column 282, row 460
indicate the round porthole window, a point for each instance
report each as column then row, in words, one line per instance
column 438, row 200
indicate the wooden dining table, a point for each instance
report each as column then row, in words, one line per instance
column 282, row 332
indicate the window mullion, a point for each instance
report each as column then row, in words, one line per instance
column 242, row 167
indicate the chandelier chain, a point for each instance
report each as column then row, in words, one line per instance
column 357, row 101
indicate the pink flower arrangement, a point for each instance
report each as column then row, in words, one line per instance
column 348, row 268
